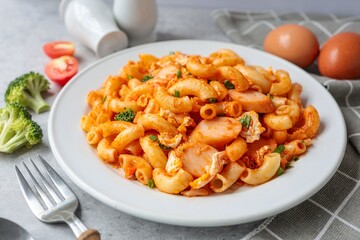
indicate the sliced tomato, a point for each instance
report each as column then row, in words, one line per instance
column 59, row 48
column 62, row 69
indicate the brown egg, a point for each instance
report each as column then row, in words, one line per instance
column 340, row 56
column 294, row 43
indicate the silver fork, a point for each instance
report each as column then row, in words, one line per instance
column 52, row 201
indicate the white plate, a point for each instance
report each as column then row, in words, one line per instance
column 246, row 204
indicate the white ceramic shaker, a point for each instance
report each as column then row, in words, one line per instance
column 92, row 23
column 137, row 18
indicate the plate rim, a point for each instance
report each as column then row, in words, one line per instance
column 169, row 220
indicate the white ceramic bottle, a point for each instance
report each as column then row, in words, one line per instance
column 137, row 18
column 92, row 23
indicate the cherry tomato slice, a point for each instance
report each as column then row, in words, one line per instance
column 59, row 48
column 62, row 69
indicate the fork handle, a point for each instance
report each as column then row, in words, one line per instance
column 80, row 230
column 90, row 234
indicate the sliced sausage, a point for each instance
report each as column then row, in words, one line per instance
column 252, row 100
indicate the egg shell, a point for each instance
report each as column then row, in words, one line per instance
column 294, row 43
column 340, row 56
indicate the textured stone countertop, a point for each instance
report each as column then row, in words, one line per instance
column 25, row 27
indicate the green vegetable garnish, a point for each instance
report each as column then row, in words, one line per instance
column 151, row 183
column 288, row 165
column 212, row 100
column 228, row 84
column 104, row 99
column 130, row 77
column 171, row 53
column 177, row 94
column 270, row 96
column 163, row 147
column 295, row 158
column 245, row 121
column 178, row 73
column 146, row 78
column 127, row 116
column 279, row 149
column 280, row 171
column 153, row 138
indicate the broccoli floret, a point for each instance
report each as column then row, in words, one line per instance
column 128, row 115
column 17, row 129
column 26, row 90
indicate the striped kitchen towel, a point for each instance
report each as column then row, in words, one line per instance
column 333, row 212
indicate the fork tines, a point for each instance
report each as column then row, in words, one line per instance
column 43, row 189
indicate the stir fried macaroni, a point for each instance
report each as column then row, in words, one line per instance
column 195, row 125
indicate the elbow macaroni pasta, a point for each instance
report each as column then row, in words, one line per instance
column 195, row 125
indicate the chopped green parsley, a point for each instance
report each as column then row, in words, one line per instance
column 280, row 171
column 151, row 183
column 228, row 84
column 279, row 149
column 177, row 94
column 153, row 138
column 163, row 147
column 146, row 78
column 245, row 121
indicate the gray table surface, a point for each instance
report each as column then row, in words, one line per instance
column 24, row 27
